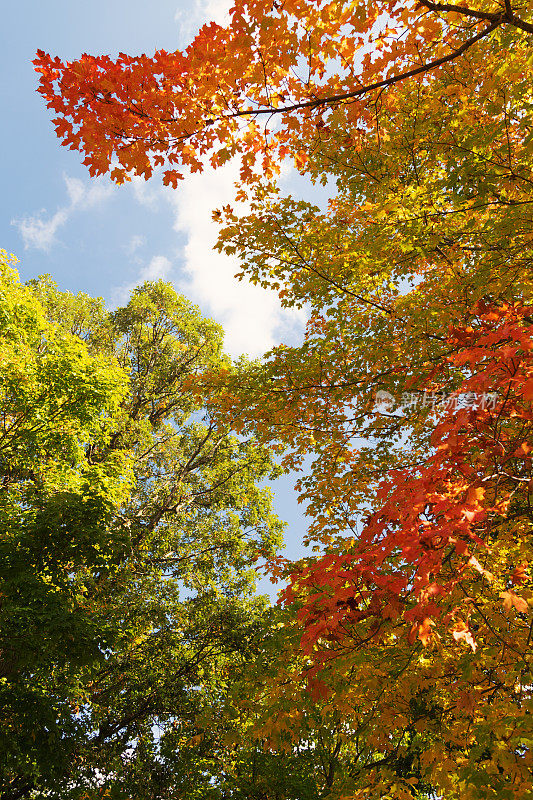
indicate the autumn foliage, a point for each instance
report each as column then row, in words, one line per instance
column 401, row 658
column 450, row 521
column 303, row 64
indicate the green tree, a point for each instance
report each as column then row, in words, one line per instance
column 131, row 520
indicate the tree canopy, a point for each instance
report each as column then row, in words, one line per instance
column 131, row 521
column 412, row 391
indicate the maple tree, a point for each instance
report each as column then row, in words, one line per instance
column 463, row 278
column 445, row 556
column 415, row 612
column 296, row 61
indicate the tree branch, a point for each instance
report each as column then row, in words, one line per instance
column 508, row 16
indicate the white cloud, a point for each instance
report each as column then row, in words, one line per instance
column 215, row 10
column 134, row 244
column 39, row 231
column 142, row 191
column 75, row 189
column 88, row 195
column 158, row 268
column 190, row 20
column 252, row 317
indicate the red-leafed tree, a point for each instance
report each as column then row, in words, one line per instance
column 312, row 66
column 457, row 519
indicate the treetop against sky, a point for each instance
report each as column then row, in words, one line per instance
column 402, row 656
column 95, row 237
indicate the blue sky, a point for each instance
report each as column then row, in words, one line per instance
column 102, row 239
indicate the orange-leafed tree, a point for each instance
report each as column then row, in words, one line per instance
column 309, row 65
